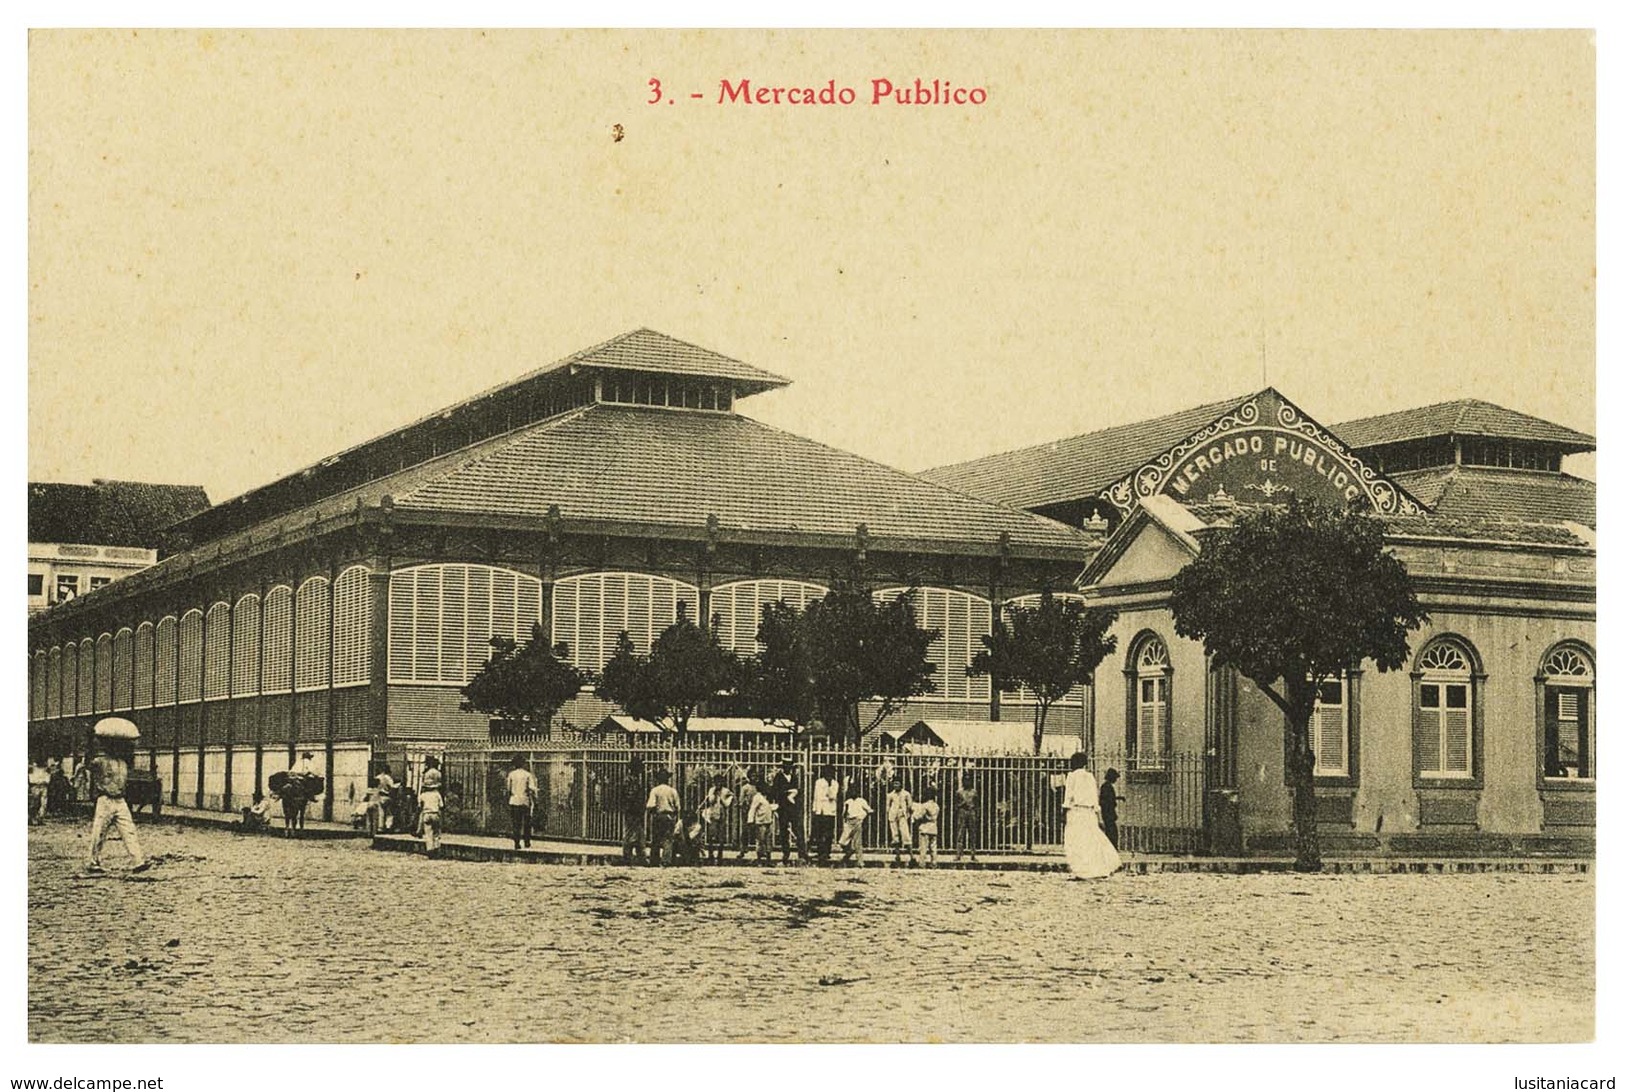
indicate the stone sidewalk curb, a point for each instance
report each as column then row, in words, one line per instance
column 457, row 850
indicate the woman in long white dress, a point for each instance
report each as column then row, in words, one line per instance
column 1089, row 853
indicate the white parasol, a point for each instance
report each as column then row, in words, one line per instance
column 116, row 728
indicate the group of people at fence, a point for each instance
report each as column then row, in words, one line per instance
column 668, row 807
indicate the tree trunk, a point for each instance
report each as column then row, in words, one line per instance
column 1301, row 777
column 1038, row 728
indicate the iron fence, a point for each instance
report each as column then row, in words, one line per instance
column 1013, row 802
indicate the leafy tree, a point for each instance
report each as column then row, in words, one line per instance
column 683, row 668
column 776, row 684
column 843, row 650
column 1050, row 649
column 524, row 684
column 1291, row 596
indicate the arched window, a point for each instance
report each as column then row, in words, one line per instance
column 189, row 651
column 217, row 653
column 1446, row 710
column 104, row 673
column 53, row 687
column 963, row 620
column 87, row 676
column 312, row 635
column 442, row 619
column 70, row 679
column 278, row 651
column 737, row 608
column 590, row 611
column 123, row 668
column 1567, row 684
column 352, row 626
column 143, row 665
column 245, row 646
column 1151, row 684
column 164, row 658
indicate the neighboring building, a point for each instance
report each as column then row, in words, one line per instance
column 341, row 608
column 1487, row 741
column 84, row 537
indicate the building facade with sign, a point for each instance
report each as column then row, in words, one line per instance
column 83, row 537
column 341, row 608
column 1485, row 741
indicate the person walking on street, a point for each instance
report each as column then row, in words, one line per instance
column 857, row 810
column 665, row 809
column 110, row 772
column 1108, row 806
column 634, row 794
column 39, row 781
column 825, row 809
column 521, row 798
column 967, row 817
column 1089, row 853
column 785, row 792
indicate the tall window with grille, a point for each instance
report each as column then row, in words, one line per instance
column 123, row 668
column 70, row 679
column 53, row 685
column 312, row 635
column 352, row 626
column 277, row 676
column 963, row 620
column 217, row 653
column 143, row 665
column 104, row 673
column 737, row 608
column 41, row 670
column 189, row 652
column 1329, row 728
column 164, row 660
column 442, row 619
column 87, row 676
column 1151, row 682
column 1567, row 682
column 1445, row 711
column 591, row 611
column 245, row 646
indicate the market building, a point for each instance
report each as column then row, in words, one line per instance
column 1487, row 741
column 339, row 609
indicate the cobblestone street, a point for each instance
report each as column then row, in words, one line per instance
column 233, row 939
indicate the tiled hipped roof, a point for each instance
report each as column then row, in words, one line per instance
column 1470, row 492
column 676, row 468
column 109, row 513
column 1079, row 466
column 1463, row 417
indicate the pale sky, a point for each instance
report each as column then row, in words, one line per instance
column 249, row 250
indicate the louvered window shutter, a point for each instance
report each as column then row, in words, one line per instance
column 1457, row 730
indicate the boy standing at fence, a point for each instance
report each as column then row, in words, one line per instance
column 521, row 798
column 760, row 822
column 1108, row 806
column 899, row 820
column 927, row 813
column 633, row 795
column 967, row 817
column 713, row 816
column 665, row 811
column 857, row 810
column 430, row 806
